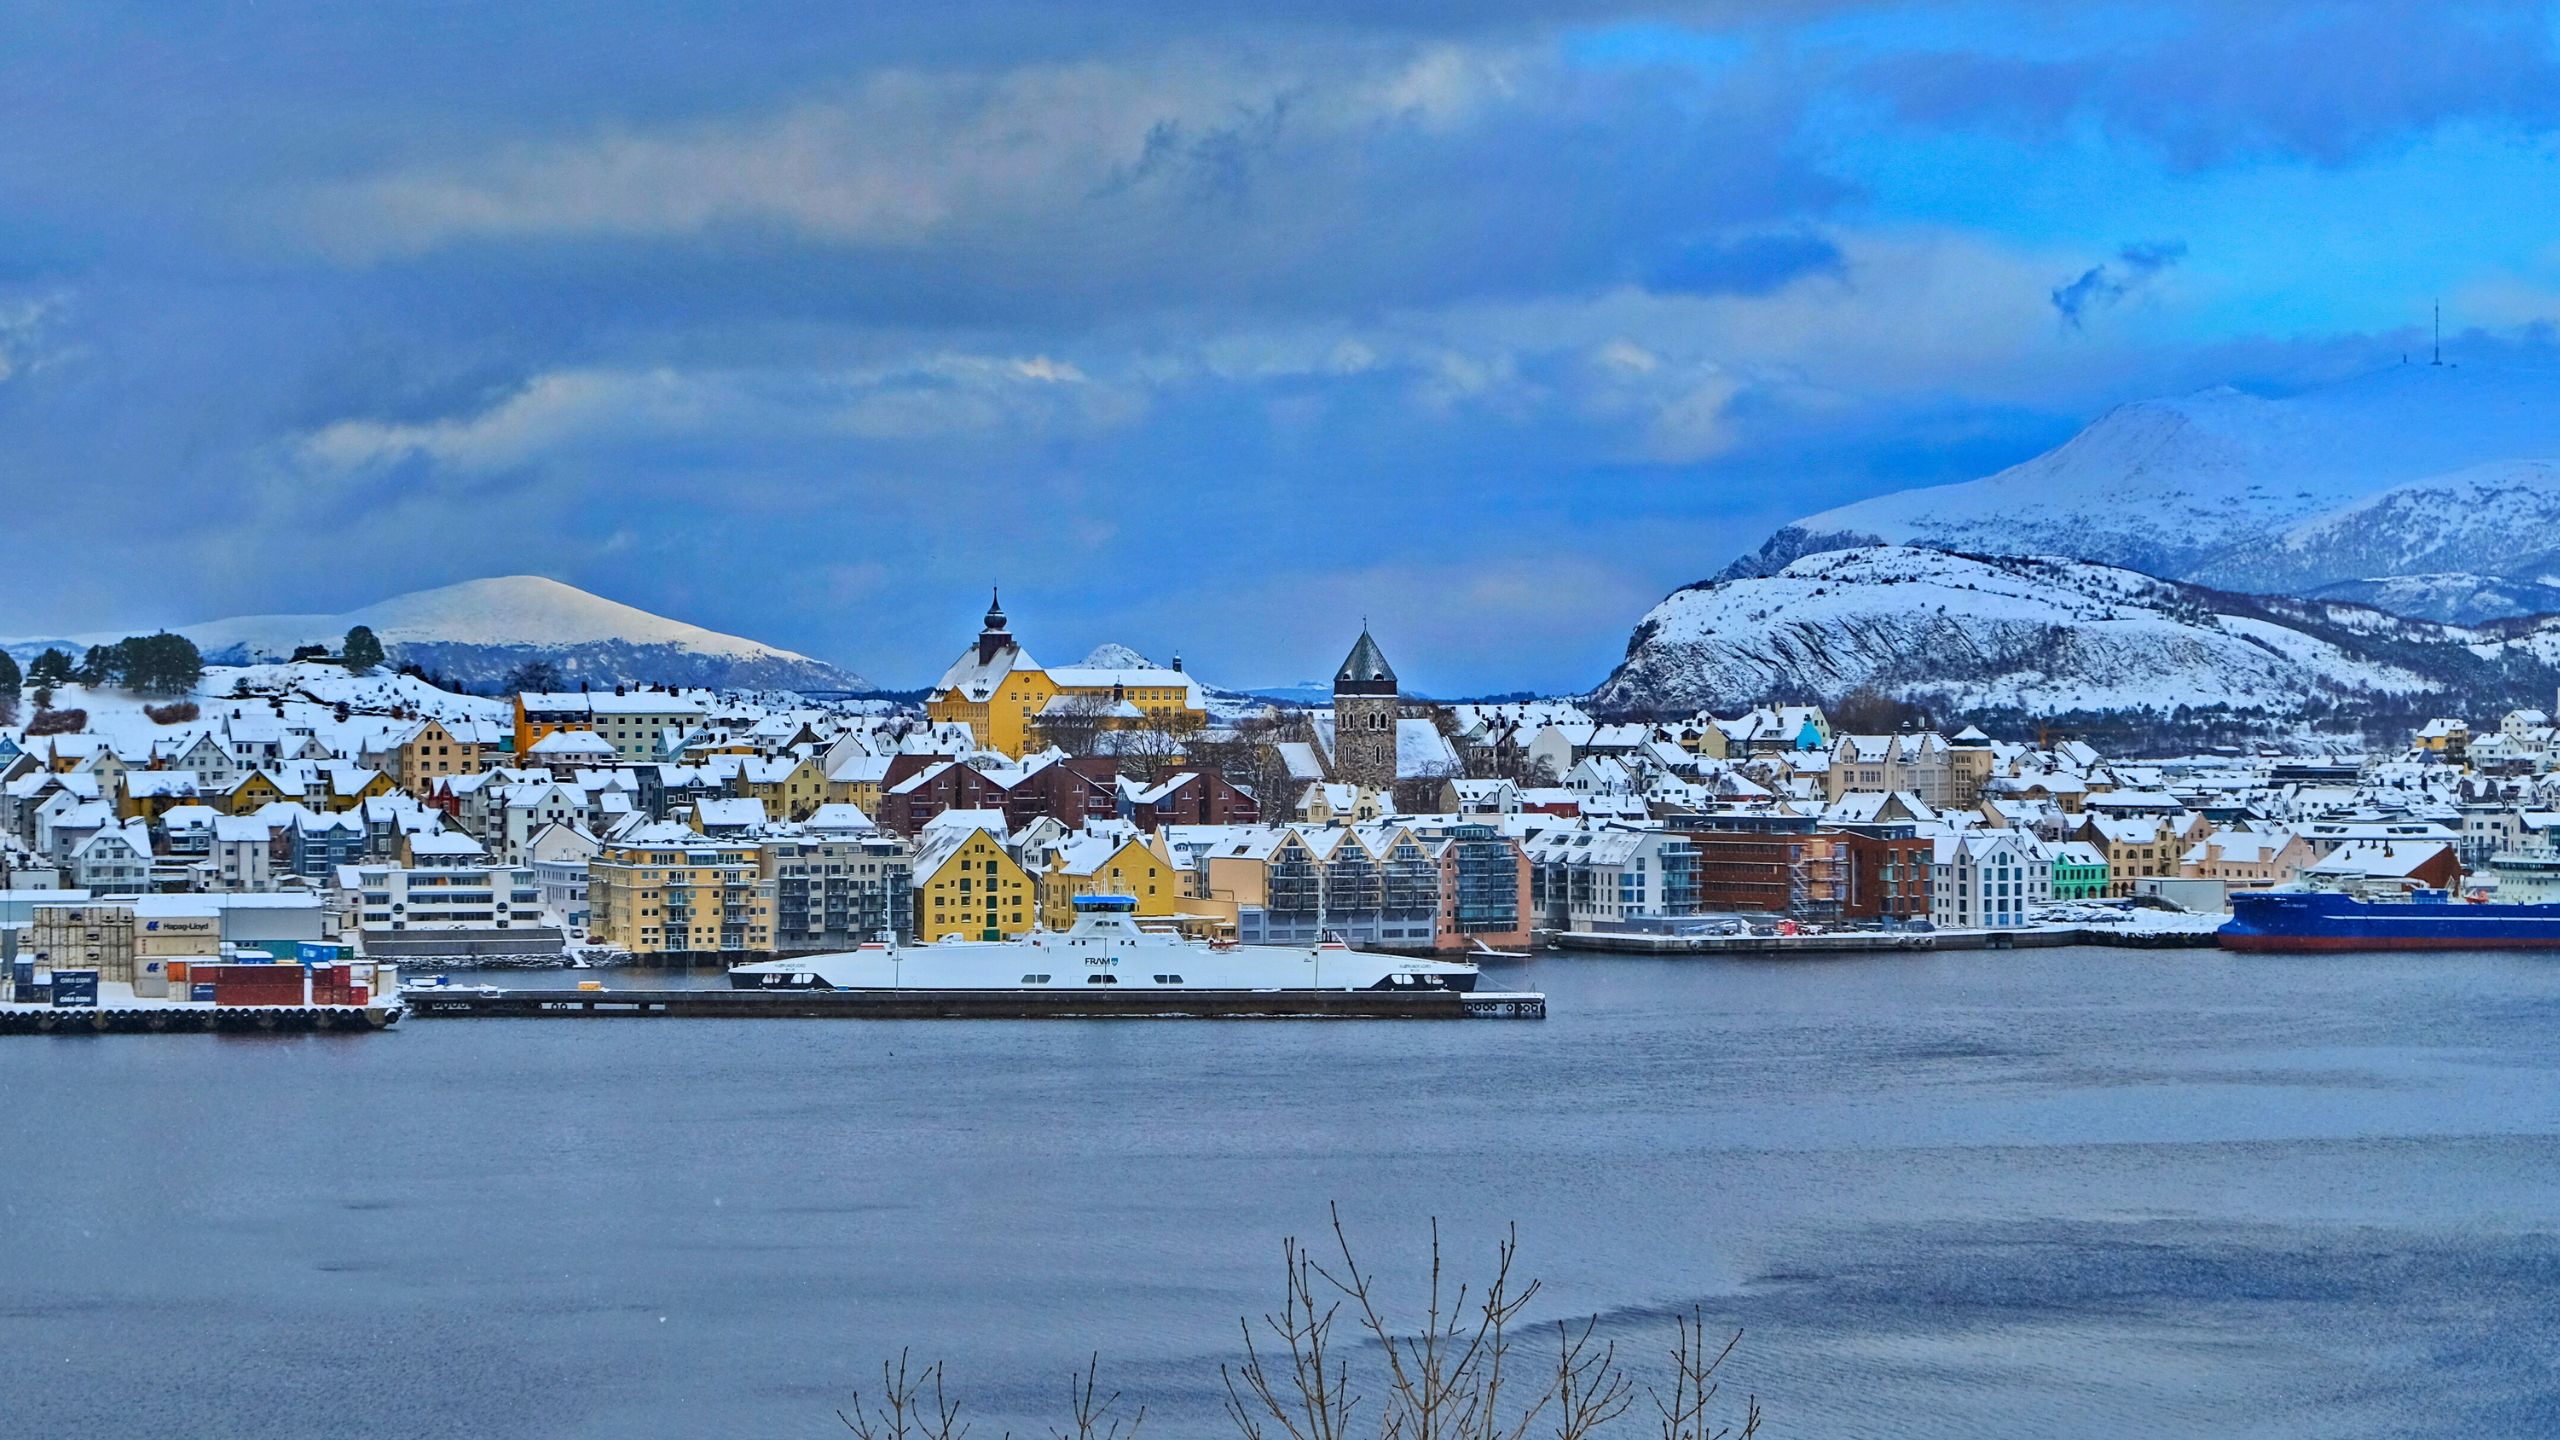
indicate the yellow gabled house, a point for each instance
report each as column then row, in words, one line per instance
column 965, row 882
column 1108, row 863
column 256, row 789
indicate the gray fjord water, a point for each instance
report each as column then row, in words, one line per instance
column 2073, row 1193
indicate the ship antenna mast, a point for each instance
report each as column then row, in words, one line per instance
column 2439, row 348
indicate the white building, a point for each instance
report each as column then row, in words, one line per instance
column 1988, row 879
column 444, row 897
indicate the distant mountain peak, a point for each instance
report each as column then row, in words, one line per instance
column 1115, row 656
column 2410, row 469
column 477, row 630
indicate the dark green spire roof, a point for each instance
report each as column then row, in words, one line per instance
column 1366, row 669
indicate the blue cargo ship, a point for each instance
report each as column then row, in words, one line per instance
column 2302, row 920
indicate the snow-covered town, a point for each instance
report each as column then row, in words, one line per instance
column 335, row 800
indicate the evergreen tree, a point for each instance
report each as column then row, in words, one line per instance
column 362, row 652
column 52, row 668
column 9, row 677
column 103, row 665
column 162, row 664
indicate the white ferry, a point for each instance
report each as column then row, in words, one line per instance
column 1106, row 946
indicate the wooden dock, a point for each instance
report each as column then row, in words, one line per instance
column 475, row 1002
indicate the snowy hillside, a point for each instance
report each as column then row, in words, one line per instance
column 2456, row 597
column 2039, row 635
column 2245, row 492
column 477, row 631
column 2500, row 519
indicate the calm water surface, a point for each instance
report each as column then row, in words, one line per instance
column 2054, row 1194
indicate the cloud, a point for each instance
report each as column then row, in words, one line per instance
column 2214, row 84
column 2104, row 286
column 1331, row 177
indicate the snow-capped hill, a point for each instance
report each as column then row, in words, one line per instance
column 477, row 631
column 1115, row 656
column 2037, row 634
column 2198, row 486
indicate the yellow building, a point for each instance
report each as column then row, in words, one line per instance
column 1111, row 864
column 790, row 788
column 350, row 786
column 856, row 781
column 433, row 751
column 667, row 890
column 1002, row 694
column 966, row 885
column 255, row 789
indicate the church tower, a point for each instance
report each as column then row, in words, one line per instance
column 1364, row 717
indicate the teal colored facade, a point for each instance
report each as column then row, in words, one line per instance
column 2076, row 879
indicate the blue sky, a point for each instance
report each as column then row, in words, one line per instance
column 1196, row 327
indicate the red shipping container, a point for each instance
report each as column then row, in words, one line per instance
column 359, row 995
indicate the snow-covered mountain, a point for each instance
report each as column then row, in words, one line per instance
column 2048, row 636
column 478, row 631
column 1112, row 655
column 2415, row 469
column 2457, row 597
column 2500, row 519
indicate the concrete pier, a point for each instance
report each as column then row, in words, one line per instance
column 469, row 1002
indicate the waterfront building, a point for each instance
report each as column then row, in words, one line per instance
column 2079, row 871
column 1611, row 876
column 394, row 898
column 1988, row 879
column 1107, row 861
column 838, row 891
column 664, row 890
column 966, row 882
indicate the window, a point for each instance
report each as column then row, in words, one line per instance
column 1102, row 979
column 1168, row 979
column 1035, row 979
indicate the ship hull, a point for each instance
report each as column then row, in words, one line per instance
column 2285, row 923
column 1106, row 949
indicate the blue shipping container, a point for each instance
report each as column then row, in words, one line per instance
column 74, row 988
column 314, row 952
column 201, row 990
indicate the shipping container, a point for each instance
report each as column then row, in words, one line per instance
column 201, row 992
column 73, row 988
column 360, row 995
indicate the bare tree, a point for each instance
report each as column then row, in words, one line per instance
column 908, row 1408
column 1156, row 745
column 1466, row 1371
column 1090, row 1418
column 1073, row 723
